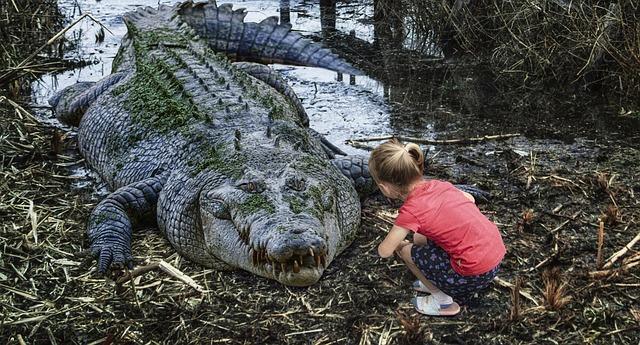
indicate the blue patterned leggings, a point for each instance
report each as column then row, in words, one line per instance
column 435, row 264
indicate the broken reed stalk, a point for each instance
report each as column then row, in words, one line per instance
column 516, row 309
column 615, row 271
column 600, row 244
column 617, row 255
column 166, row 268
column 436, row 142
column 10, row 73
column 524, row 294
column 19, row 110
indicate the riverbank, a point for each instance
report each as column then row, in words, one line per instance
column 556, row 188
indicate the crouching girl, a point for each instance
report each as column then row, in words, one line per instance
column 455, row 251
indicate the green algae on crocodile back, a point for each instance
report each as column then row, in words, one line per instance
column 218, row 153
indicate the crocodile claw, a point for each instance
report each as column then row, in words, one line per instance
column 111, row 257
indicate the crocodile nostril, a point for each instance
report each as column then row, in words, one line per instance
column 297, row 231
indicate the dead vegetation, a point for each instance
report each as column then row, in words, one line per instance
column 52, row 295
column 552, row 287
column 536, row 45
column 25, row 25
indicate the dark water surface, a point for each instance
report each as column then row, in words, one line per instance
column 405, row 93
column 338, row 109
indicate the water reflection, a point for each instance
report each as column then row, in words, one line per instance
column 410, row 88
column 429, row 93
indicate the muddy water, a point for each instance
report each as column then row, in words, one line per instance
column 338, row 106
column 404, row 92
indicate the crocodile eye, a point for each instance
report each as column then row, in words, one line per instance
column 252, row 187
column 327, row 201
column 296, row 183
column 217, row 208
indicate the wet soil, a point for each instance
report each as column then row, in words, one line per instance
column 572, row 171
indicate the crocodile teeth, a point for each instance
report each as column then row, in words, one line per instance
column 296, row 267
column 283, row 266
column 311, row 252
column 317, row 259
column 254, row 257
column 323, row 261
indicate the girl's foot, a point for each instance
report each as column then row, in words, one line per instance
column 429, row 305
column 442, row 297
column 418, row 286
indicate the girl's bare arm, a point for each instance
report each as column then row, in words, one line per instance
column 390, row 243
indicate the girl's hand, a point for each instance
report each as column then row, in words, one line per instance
column 394, row 238
column 403, row 243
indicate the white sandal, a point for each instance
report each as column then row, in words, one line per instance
column 420, row 287
column 428, row 305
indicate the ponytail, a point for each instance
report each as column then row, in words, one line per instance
column 395, row 163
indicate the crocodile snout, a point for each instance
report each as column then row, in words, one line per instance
column 294, row 254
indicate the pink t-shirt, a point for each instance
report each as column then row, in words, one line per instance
column 442, row 213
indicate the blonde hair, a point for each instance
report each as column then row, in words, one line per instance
column 397, row 164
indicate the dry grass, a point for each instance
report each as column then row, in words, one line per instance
column 555, row 290
column 24, row 26
column 537, row 45
column 51, row 294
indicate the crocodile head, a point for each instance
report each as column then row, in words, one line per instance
column 285, row 218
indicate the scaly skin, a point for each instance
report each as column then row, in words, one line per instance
column 223, row 161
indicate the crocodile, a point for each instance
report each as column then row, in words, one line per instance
column 195, row 133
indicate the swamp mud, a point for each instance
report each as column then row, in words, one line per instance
column 563, row 193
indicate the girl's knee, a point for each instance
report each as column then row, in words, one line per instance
column 405, row 252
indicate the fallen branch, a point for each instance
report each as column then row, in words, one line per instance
column 165, row 267
column 436, row 142
column 617, row 255
column 622, row 269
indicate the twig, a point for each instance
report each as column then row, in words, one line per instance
column 130, row 275
column 166, row 268
column 18, row 108
column 524, row 294
column 622, row 269
column 516, row 310
column 436, row 142
column 133, row 289
column 600, row 243
column 176, row 273
column 617, row 255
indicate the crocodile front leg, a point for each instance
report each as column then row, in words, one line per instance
column 356, row 168
column 110, row 223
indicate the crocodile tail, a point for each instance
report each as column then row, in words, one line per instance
column 264, row 42
column 71, row 102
